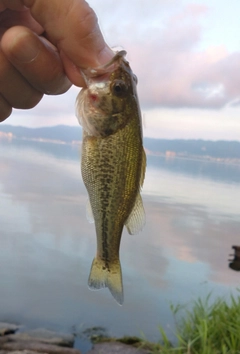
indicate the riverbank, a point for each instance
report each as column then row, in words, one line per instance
column 13, row 340
column 209, row 327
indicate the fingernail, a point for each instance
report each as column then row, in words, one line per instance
column 105, row 55
column 25, row 48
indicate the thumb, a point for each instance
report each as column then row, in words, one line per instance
column 72, row 26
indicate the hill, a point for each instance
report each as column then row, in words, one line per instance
column 169, row 148
column 63, row 133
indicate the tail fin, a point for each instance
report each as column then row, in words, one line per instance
column 111, row 277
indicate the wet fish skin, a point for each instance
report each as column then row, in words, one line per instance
column 113, row 164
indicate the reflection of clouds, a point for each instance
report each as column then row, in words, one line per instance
column 47, row 246
column 206, row 240
column 53, row 193
column 50, row 190
column 51, row 110
column 145, row 257
column 216, row 197
column 185, row 254
column 50, row 245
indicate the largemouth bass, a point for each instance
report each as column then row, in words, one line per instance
column 113, row 164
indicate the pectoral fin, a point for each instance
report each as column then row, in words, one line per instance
column 136, row 219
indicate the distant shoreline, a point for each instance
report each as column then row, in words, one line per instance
column 233, row 161
column 224, row 152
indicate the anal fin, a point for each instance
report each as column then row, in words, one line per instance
column 89, row 213
column 136, row 219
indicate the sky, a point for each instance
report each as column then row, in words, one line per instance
column 186, row 55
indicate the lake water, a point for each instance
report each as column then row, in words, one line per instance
column 47, row 245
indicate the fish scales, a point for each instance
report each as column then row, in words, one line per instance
column 113, row 167
column 110, row 179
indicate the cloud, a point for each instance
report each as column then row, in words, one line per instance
column 173, row 73
column 163, row 43
column 192, row 123
column 52, row 110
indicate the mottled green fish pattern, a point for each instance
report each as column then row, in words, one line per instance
column 113, row 164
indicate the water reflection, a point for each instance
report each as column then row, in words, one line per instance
column 47, row 245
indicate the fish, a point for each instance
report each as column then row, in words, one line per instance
column 113, row 164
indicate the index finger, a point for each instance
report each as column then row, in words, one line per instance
column 72, row 26
column 15, row 5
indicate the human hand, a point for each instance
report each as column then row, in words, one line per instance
column 43, row 46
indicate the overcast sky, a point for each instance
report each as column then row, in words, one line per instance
column 186, row 55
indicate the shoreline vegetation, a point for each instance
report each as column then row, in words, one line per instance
column 209, row 327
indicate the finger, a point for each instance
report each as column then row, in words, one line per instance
column 13, row 5
column 9, row 18
column 73, row 72
column 14, row 88
column 37, row 60
column 72, row 27
column 5, row 109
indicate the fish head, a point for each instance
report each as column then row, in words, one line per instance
column 106, row 105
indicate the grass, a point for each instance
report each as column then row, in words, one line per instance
column 208, row 328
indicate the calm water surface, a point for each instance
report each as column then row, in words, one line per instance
column 47, row 245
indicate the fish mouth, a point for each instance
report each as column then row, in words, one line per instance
column 104, row 70
column 118, row 56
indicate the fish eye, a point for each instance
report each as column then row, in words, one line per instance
column 119, row 88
